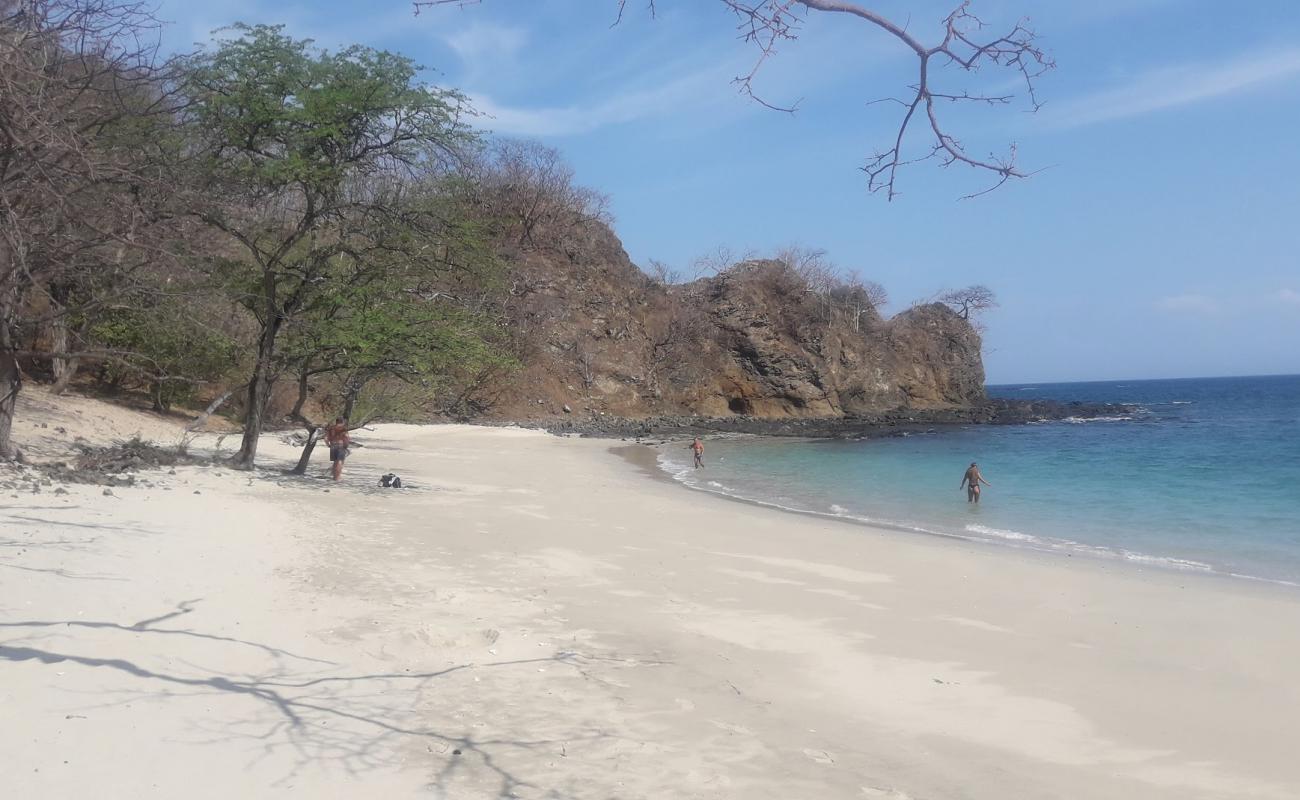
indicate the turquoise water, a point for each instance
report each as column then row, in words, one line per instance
column 1204, row 476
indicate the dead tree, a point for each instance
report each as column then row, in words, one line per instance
column 531, row 188
column 961, row 46
column 969, row 301
column 676, row 333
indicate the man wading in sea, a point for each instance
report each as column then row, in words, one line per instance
column 971, row 483
column 336, row 436
column 697, row 447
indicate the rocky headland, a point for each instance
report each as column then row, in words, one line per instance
column 758, row 348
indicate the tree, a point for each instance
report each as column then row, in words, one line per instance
column 858, row 298
column 676, row 330
column 386, row 330
column 527, row 188
column 83, row 107
column 163, row 346
column 293, row 146
column 662, row 274
column 766, row 24
column 849, row 297
column 971, row 300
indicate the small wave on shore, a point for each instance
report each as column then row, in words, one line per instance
column 1067, row 545
column 1083, row 420
column 973, row 532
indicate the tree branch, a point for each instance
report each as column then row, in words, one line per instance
column 766, row 24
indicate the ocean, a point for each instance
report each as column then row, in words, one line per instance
column 1203, row 476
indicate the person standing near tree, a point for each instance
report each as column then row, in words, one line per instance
column 336, row 436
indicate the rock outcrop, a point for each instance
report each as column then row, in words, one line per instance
column 596, row 334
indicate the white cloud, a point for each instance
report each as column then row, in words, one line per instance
column 583, row 118
column 683, row 90
column 1170, row 87
column 487, row 41
column 1188, row 304
column 1289, row 296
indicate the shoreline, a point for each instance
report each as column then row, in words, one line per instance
column 645, row 458
column 993, row 411
column 537, row 619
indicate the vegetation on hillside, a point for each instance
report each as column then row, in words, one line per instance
column 304, row 233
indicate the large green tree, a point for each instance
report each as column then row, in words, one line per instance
column 388, row 331
column 410, row 315
column 298, row 154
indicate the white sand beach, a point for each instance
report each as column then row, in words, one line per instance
column 537, row 617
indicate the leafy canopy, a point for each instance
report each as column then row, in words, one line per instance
column 275, row 112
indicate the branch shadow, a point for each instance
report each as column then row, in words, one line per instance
column 68, row 524
column 11, row 548
column 355, row 720
column 145, row 626
column 63, row 573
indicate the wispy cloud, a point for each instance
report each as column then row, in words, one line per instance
column 1174, row 86
column 484, row 40
column 674, row 97
column 1228, row 303
column 1188, row 304
column 667, row 72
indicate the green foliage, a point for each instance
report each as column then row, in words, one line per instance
column 275, row 112
column 397, row 325
column 304, row 159
column 164, row 348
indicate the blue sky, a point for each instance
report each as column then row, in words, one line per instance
column 1161, row 240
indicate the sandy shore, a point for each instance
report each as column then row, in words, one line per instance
column 537, row 618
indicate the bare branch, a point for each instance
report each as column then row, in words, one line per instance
column 768, row 24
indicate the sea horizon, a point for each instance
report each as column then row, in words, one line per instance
column 1055, row 382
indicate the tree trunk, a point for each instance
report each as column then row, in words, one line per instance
column 313, row 436
column 259, row 392
column 60, row 296
column 64, row 367
column 59, row 362
column 351, row 393
column 198, row 421
column 64, row 374
column 11, row 377
column 296, row 413
column 11, row 382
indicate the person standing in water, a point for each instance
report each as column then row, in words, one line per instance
column 336, row 436
column 971, row 483
column 697, row 447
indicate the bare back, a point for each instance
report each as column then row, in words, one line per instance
column 336, row 434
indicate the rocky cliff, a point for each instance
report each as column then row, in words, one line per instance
column 596, row 335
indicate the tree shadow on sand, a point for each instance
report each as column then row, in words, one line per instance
column 359, row 721
column 12, row 548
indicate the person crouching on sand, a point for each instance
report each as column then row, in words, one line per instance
column 697, row 447
column 336, row 436
column 971, row 483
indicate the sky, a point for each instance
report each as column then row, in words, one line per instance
column 1161, row 237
